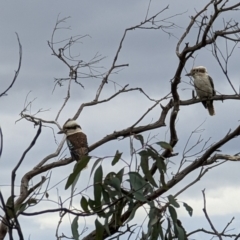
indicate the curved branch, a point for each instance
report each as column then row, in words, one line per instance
column 18, row 69
column 3, row 228
column 23, row 156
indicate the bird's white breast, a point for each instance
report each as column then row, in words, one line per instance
column 203, row 86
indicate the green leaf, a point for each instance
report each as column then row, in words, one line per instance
column 46, row 195
column 116, row 158
column 119, row 175
column 154, row 216
column 154, row 235
column 98, row 184
column 74, row 227
column 111, row 193
column 139, row 196
column 168, row 234
column 161, row 165
column 84, row 204
column 101, row 214
column 106, row 198
column 9, row 207
column 115, row 183
column 172, row 201
column 132, row 214
column 181, row 234
column 144, row 160
column 188, row 208
column 74, row 183
column 95, row 164
column 23, row 207
column 148, row 189
column 173, row 213
column 145, row 167
column 160, row 231
column 82, row 163
column 111, row 211
column 110, row 175
column 137, row 181
column 158, row 158
column 106, row 226
column 143, row 153
column 140, row 138
column 165, row 145
column 138, row 185
column 130, row 205
column 92, row 204
column 151, row 204
column 118, row 212
column 32, row 201
column 77, row 170
column 10, row 201
column 99, row 230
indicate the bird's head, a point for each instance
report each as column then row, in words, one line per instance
column 70, row 127
column 197, row 71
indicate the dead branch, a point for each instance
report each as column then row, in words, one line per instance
column 222, row 157
column 18, row 69
column 208, row 219
column 3, row 227
column 65, row 101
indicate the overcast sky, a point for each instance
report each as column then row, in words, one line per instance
column 152, row 64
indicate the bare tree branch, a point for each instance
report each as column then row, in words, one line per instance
column 18, row 69
column 208, row 219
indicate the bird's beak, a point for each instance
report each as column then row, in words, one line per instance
column 188, row 74
column 60, row 132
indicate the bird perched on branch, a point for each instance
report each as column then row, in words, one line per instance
column 76, row 139
column 204, row 87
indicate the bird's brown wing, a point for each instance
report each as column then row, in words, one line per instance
column 78, row 145
column 212, row 84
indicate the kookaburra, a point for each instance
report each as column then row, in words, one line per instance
column 76, row 139
column 204, row 87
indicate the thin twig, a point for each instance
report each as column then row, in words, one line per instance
column 207, row 217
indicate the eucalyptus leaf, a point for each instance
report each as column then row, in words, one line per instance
column 99, row 230
column 165, row 145
column 173, row 213
column 74, row 228
column 116, row 157
column 97, row 180
column 172, row 201
column 84, row 204
column 77, row 170
column 140, row 138
column 188, row 208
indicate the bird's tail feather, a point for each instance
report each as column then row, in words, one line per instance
column 210, row 108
